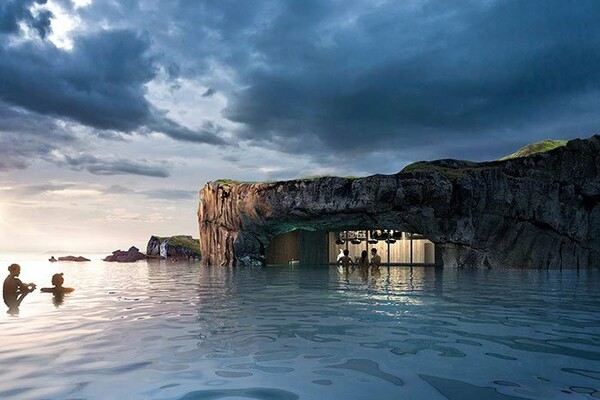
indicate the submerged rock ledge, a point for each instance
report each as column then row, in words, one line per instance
column 540, row 211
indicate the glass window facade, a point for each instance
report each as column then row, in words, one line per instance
column 394, row 247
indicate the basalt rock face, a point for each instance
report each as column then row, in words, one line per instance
column 541, row 211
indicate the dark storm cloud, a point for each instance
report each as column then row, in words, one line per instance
column 353, row 77
column 98, row 166
column 435, row 72
column 207, row 134
column 209, row 92
column 346, row 82
column 99, row 83
column 159, row 194
column 26, row 137
column 13, row 12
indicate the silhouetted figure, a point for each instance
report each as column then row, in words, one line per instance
column 363, row 262
column 58, row 290
column 340, row 255
column 52, row 259
column 13, row 290
column 375, row 260
column 57, row 281
column 345, row 260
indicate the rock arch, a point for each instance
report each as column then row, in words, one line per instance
column 534, row 212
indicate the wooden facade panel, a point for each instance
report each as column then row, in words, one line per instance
column 283, row 249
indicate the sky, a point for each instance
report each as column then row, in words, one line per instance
column 113, row 114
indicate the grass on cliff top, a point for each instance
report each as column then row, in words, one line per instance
column 452, row 173
column 314, row 177
column 469, row 166
column 183, row 241
column 304, row 178
column 535, row 148
column 230, row 182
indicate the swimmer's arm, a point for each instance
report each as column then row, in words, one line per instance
column 24, row 288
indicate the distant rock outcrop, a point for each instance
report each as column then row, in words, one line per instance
column 174, row 247
column 131, row 255
column 538, row 211
column 72, row 258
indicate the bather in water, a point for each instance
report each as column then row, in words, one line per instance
column 13, row 290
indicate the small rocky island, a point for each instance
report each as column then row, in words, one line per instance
column 539, row 208
column 69, row 258
column 131, row 255
column 173, row 248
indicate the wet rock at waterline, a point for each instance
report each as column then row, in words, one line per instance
column 131, row 255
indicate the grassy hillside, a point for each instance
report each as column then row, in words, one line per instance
column 534, row 148
column 452, row 172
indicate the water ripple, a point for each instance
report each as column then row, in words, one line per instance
column 180, row 331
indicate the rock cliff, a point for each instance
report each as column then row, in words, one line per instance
column 179, row 247
column 541, row 211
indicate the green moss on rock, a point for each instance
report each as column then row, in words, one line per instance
column 182, row 241
column 230, row 182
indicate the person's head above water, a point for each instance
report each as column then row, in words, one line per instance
column 57, row 279
column 14, row 269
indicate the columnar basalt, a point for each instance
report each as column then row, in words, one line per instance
column 541, row 211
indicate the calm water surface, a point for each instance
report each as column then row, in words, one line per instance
column 180, row 331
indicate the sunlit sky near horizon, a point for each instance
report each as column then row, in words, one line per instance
column 113, row 114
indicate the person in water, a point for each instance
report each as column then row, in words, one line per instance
column 363, row 262
column 57, row 281
column 13, row 290
column 375, row 260
column 340, row 255
column 345, row 260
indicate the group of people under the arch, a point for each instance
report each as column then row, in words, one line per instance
column 14, row 290
column 363, row 262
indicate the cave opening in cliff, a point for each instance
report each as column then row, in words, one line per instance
column 395, row 247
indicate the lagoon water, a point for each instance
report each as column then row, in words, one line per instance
column 161, row 330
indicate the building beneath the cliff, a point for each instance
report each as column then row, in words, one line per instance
column 318, row 247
